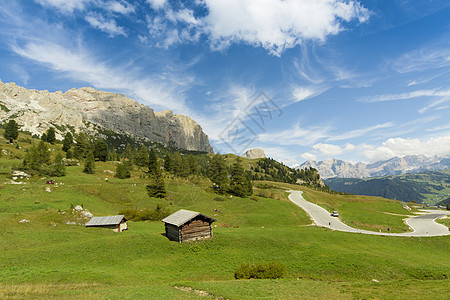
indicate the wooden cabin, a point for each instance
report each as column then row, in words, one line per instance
column 116, row 223
column 186, row 225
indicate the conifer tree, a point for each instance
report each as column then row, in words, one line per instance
column 157, row 189
column 11, row 131
column 142, row 157
column 89, row 165
column 239, row 183
column 100, row 150
column 129, row 153
column 218, row 173
column 67, row 142
column 153, row 165
column 168, row 164
column 44, row 153
column 123, row 170
column 51, row 135
column 59, row 168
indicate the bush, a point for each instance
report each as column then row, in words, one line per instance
column 271, row 270
column 146, row 214
column 219, row 198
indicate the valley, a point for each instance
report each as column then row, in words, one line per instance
column 43, row 257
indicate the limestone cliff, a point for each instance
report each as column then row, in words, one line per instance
column 36, row 110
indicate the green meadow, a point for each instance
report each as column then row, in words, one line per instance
column 47, row 259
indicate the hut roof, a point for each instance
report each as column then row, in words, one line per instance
column 183, row 216
column 105, row 221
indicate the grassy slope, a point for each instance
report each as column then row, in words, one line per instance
column 48, row 259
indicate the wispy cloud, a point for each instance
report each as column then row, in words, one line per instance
column 297, row 135
column 65, row 6
column 401, row 96
column 360, row 132
column 121, row 7
column 108, row 26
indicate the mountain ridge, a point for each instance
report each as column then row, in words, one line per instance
column 36, row 111
column 393, row 166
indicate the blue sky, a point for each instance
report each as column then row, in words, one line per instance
column 353, row 80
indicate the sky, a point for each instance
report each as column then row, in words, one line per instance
column 300, row 79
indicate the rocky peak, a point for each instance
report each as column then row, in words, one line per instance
column 36, row 111
column 254, row 153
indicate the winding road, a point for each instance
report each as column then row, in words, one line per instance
column 422, row 226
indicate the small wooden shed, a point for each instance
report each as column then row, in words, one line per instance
column 116, row 223
column 186, row 225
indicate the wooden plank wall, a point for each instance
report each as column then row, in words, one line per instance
column 172, row 232
column 196, row 229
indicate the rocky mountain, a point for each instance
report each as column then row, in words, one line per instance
column 79, row 109
column 394, row 166
column 254, row 153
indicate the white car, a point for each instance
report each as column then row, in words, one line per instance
column 334, row 214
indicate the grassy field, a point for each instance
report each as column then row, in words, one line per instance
column 45, row 258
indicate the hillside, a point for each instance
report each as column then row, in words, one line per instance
column 94, row 112
column 429, row 187
column 43, row 256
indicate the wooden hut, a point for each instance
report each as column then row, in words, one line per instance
column 186, row 225
column 116, row 223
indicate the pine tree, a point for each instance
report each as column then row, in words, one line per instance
column 142, row 157
column 82, row 146
column 44, row 153
column 67, row 142
column 123, row 170
column 59, row 168
column 168, row 164
column 11, row 131
column 218, row 173
column 100, row 150
column 129, row 153
column 44, row 137
column 51, row 135
column 153, row 165
column 89, row 165
column 158, row 188
column 239, row 183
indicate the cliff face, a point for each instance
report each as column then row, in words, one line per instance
column 35, row 111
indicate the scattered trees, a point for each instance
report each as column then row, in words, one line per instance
column 218, row 173
column 67, row 142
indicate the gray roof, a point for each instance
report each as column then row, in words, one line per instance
column 183, row 216
column 105, row 221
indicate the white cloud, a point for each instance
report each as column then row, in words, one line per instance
column 295, row 136
column 401, row 147
column 65, row 6
column 121, row 7
column 302, row 93
column 308, row 156
column 277, row 25
column 360, row 132
column 434, row 57
column 108, row 26
column 157, row 4
column 328, row 149
column 402, row 96
column 79, row 64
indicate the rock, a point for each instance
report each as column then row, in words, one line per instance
column 24, row 221
column 254, row 153
column 47, row 189
column 36, row 111
column 78, row 208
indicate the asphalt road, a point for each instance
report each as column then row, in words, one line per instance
column 421, row 226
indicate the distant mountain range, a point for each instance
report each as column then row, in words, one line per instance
column 431, row 187
column 394, row 166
